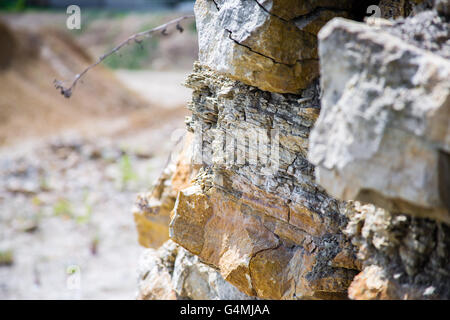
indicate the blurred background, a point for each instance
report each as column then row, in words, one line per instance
column 70, row 169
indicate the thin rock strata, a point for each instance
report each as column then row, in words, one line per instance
column 277, row 159
column 274, row 235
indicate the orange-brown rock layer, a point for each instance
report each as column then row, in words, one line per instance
column 152, row 210
column 269, row 44
column 275, row 234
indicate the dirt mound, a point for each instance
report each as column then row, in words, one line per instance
column 30, row 105
column 8, row 44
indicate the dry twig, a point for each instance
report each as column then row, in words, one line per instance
column 136, row 38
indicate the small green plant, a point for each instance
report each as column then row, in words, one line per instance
column 36, row 201
column 63, row 207
column 127, row 173
column 44, row 183
column 87, row 210
column 6, row 257
column 73, row 269
column 192, row 27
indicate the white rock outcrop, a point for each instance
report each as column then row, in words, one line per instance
column 385, row 120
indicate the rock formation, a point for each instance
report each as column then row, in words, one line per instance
column 254, row 208
column 404, row 257
column 273, row 234
column 152, row 209
column 172, row 273
column 383, row 137
column 268, row 44
column 392, row 118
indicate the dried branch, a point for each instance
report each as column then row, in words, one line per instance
column 136, row 38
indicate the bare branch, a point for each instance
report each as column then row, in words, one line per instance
column 136, row 38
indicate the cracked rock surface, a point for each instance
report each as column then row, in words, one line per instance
column 385, row 110
column 268, row 44
column 257, row 211
column 383, row 138
column 404, row 257
column 172, row 273
column 274, row 236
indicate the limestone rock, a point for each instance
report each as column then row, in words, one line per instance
column 152, row 210
column 291, row 9
column 171, row 273
column 197, row 281
column 426, row 30
column 265, row 225
column 248, row 216
column 155, row 271
column 370, row 284
column 257, row 253
column 385, row 115
column 268, row 44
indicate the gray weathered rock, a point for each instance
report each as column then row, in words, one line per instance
column 385, row 117
column 171, row 273
column 404, row 257
column 196, row 280
column 155, row 271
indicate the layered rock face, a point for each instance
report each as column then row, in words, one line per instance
column 166, row 270
column 383, row 137
column 269, row 229
column 253, row 209
column 404, row 257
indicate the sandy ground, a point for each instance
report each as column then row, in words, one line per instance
column 65, row 203
column 152, row 86
column 70, row 172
